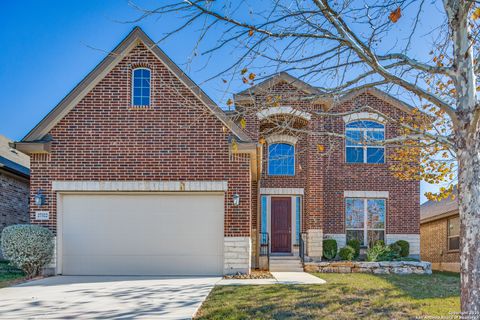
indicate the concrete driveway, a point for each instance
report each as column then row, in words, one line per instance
column 106, row 297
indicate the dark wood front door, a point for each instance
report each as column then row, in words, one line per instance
column 281, row 215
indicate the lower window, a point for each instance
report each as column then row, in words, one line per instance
column 454, row 233
column 365, row 220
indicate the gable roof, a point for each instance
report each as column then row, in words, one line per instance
column 328, row 99
column 270, row 82
column 135, row 37
column 382, row 95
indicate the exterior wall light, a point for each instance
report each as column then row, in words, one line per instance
column 39, row 198
column 236, row 199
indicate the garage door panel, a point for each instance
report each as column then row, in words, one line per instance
column 170, row 265
column 97, row 245
column 142, row 234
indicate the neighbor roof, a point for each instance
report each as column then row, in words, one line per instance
column 101, row 70
column 13, row 160
column 433, row 210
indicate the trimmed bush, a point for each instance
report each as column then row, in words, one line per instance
column 330, row 249
column 27, row 247
column 347, row 253
column 405, row 248
column 355, row 244
column 395, row 249
column 380, row 252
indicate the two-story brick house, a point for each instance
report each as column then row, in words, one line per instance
column 142, row 173
column 319, row 185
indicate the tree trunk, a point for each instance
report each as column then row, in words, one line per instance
column 469, row 206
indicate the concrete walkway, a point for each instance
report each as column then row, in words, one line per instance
column 87, row 297
column 279, row 278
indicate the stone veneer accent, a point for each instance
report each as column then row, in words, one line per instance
column 237, row 255
column 413, row 239
column 283, row 110
column 364, row 116
column 140, row 185
column 281, row 191
column 384, row 267
column 341, row 239
column 314, row 244
column 365, row 194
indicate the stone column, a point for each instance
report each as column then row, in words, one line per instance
column 315, row 244
column 237, row 255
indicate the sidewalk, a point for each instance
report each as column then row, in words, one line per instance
column 279, row 278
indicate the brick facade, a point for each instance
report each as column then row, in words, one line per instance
column 325, row 175
column 434, row 245
column 14, row 192
column 175, row 139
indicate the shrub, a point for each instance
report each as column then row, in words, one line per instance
column 380, row 252
column 355, row 244
column 330, row 249
column 405, row 248
column 347, row 253
column 379, row 242
column 395, row 249
column 27, row 247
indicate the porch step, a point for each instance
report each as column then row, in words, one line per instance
column 285, row 264
column 284, row 258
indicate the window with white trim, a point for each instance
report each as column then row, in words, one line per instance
column 281, row 159
column 365, row 220
column 453, row 233
column 362, row 142
column 141, row 87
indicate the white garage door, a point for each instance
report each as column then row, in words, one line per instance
column 139, row 234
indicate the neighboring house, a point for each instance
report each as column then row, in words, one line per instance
column 440, row 234
column 14, row 185
column 144, row 174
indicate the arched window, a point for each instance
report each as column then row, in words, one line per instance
column 281, row 159
column 362, row 142
column 141, row 87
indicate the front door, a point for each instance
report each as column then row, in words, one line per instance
column 281, row 224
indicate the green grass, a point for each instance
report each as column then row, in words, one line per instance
column 9, row 274
column 345, row 296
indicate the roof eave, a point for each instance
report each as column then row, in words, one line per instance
column 29, row 147
column 105, row 66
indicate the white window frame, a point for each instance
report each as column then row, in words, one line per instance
column 449, row 236
column 365, row 218
column 133, row 87
column 268, row 159
column 365, row 146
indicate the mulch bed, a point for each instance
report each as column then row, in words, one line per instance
column 254, row 274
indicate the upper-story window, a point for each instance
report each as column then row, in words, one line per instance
column 362, row 142
column 141, row 87
column 281, row 159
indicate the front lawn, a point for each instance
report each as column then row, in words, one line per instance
column 9, row 275
column 345, row 296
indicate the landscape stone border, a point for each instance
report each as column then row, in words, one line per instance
column 384, row 267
